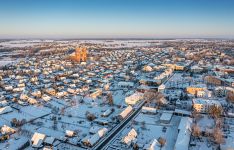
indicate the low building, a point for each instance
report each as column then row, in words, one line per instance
column 126, row 84
column 70, row 133
column 194, row 89
column 153, row 145
column 148, row 110
column 107, row 113
column 213, row 80
column 203, row 105
column 166, row 117
column 32, row 101
column 196, row 69
column 94, row 129
column 220, row 91
column 96, row 93
column 184, row 133
column 46, row 97
column 37, row 139
column 201, row 93
column 7, row 130
column 49, row 141
column 130, row 137
column 161, row 88
column 5, row 110
column 125, row 113
column 134, row 98
column 93, row 139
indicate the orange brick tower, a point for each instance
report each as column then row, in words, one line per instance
column 80, row 54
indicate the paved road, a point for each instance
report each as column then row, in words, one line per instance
column 104, row 142
column 118, row 128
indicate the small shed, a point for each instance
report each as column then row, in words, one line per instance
column 166, row 117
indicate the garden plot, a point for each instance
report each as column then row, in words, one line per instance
column 35, row 111
column 148, row 119
column 80, row 110
column 19, row 115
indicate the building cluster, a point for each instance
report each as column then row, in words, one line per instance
column 170, row 95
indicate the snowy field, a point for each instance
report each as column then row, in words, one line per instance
column 149, row 130
column 5, row 62
column 22, row 43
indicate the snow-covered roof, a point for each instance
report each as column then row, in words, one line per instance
column 206, row 102
column 148, row 110
column 132, row 134
column 153, row 145
column 70, row 133
column 37, row 139
column 6, row 129
column 49, row 140
column 134, row 98
column 183, row 137
column 180, row 111
column 94, row 129
column 162, row 86
column 6, row 109
column 126, row 111
column 122, row 83
column 166, row 116
column 94, row 139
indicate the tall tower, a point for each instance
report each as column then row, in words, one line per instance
column 81, row 54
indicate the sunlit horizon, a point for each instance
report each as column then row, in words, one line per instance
column 116, row 19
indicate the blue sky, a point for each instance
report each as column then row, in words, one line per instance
column 116, row 18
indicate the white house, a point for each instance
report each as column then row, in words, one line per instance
column 134, row 98
column 92, row 140
column 161, row 88
column 130, row 137
column 46, row 97
column 6, row 109
column 184, row 133
column 153, row 145
column 148, row 110
column 37, row 140
column 125, row 113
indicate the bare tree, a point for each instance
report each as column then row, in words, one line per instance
column 196, row 132
column 135, row 146
column 143, row 125
column 90, row 116
column 110, row 98
column 218, row 135
column 160, row 99
column 218, row 123
column 215, row 111
column 196, row 115
column 62, row 111
column 230, row 97
column 149, row 96
column 161, row 141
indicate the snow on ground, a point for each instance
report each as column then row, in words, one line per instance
column 4, row 121
column 205, row 122
column 27, row 112
column 12, row 144
column 22, row 43
column 148, row 119
column 81, row 109
column 16, row 114
column 5, row 62
column 118, row 97
column 149, row 130
column 56, row 104
column 36, row 111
